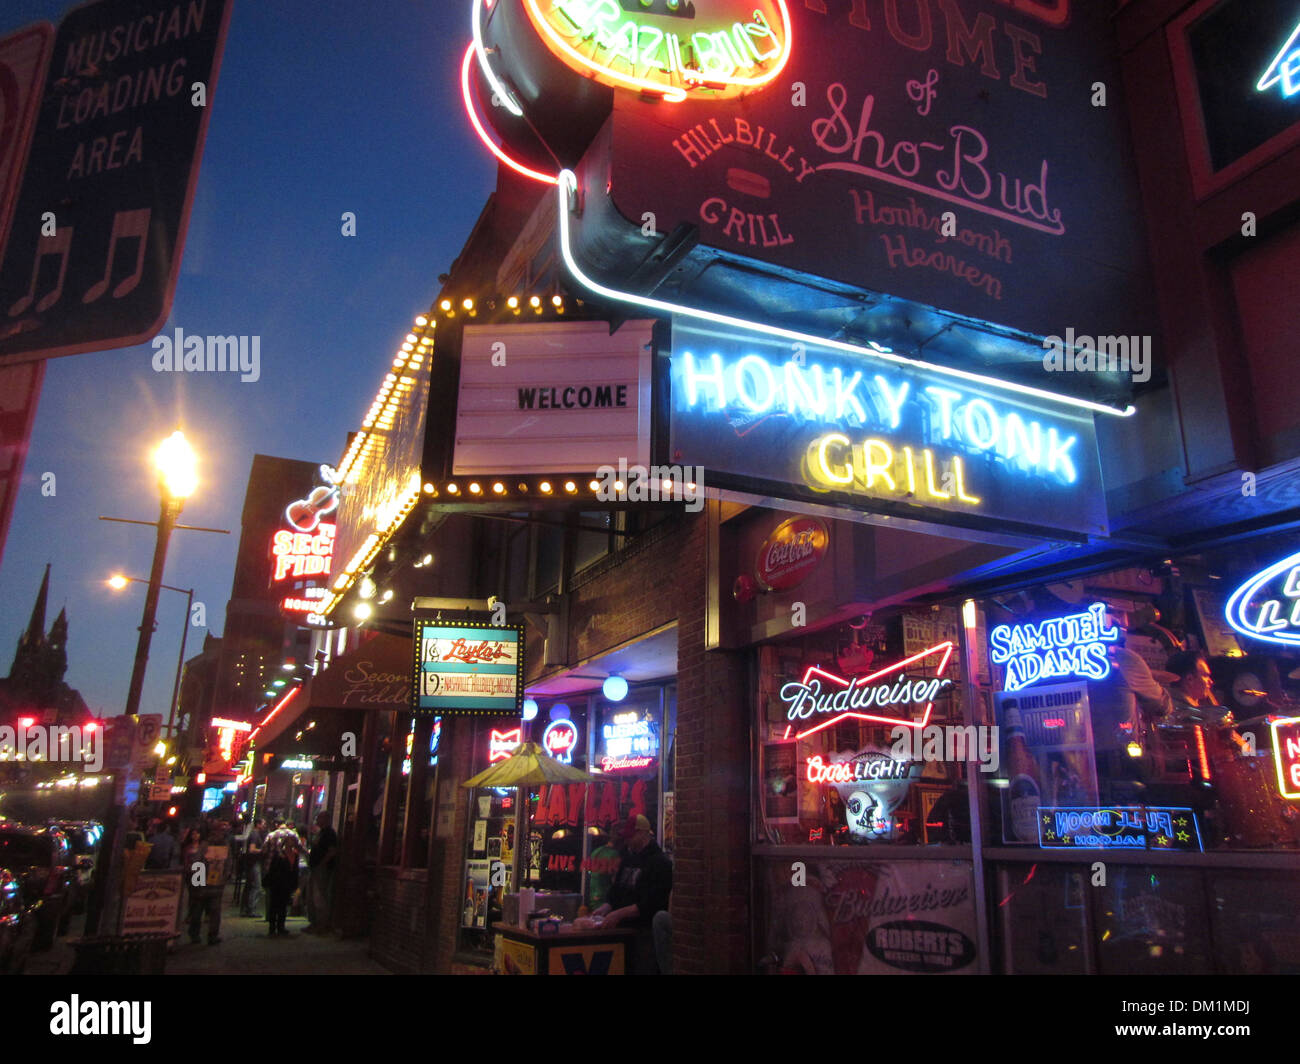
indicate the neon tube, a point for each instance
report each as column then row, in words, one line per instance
column 506, row 97
column 1276, row 69
column 482, row 133
column 568, row 184
column 279, row 706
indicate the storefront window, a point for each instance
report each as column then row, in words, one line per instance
column 1151, row 709
column 849, row 719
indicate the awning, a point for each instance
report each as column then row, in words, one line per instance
column 375, row 677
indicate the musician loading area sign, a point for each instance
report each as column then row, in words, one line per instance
column 465, row 668
column 99, row 225
column 1137, row 827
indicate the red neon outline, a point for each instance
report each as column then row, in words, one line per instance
column 491, row 145
column 1204, row 758
column 946, row 647
column 282, row 703
column 517, row 734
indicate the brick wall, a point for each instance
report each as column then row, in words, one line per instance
column 398, row 929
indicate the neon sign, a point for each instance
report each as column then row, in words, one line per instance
column 1284, row 70
column 673, row 48
column 305, row 514
column 841, row 398
column 1261, row 609
column 1286, row 755
column 560, row 739
column 807, row 697
column 502, row 744
column 871, row 783
column 300, row 554
column 1061, row 646
column 630, row 742
column 1140, row 827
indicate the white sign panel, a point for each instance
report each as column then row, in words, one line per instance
column 555, row 397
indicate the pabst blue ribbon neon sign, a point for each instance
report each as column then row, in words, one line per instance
column 821, row 692
column 1267, row 606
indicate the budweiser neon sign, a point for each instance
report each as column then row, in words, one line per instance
column 502, row 744
column 822, row 693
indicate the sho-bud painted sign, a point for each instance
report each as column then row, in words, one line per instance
column 951, row 152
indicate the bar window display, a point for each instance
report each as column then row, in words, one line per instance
column 859, row 732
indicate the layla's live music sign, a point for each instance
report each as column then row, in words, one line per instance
column 466, row 668
column 821, row 425
column 98, row 228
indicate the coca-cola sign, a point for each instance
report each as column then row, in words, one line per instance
column 791, row 552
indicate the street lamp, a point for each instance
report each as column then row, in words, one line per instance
column 117, row 582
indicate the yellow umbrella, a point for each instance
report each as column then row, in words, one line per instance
column 529, row 766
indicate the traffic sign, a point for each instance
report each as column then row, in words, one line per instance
column 98, row 228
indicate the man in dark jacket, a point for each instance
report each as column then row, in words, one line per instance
column 640, row 889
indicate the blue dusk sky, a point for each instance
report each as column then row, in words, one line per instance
column 320, row 108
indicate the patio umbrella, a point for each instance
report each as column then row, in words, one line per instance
column 529, row 766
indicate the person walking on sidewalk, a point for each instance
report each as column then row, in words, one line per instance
column 254, row 851
column 320, row 884
column 281, row 876
column 208, row 870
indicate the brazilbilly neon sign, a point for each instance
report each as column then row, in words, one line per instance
column 807, row 697
column 1061, row 646
column 1267, row 608
column 651, row 51
column 1284, row 70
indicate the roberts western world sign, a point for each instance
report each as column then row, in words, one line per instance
column 99, row 225
column 466, row 668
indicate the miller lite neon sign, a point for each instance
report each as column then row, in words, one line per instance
column 1267, row 606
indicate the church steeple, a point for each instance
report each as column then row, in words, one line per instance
column 35, row 634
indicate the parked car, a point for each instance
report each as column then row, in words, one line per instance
column 83, row 837
column 17, row 925
column 42, row 861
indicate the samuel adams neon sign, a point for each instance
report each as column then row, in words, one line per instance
column 671, row 47
column 1267, row 606
column 1060, row 646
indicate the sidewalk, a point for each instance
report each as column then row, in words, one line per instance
column 244, row 949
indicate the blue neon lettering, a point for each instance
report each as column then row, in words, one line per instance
column 694, row 378
column 846, row 395
column 799, row 393
column 1058, row 455
column 1072, row 645
column 1024, row 442
column 1284, row 70
column 989, row 436
column 945, row 398
column 893, row 400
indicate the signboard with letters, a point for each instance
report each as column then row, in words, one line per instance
column 98, row 227
column 465, row 668
column 952, row 154
column 553, row 397
column 1143, row 827
column 822, row 425
column 23, row 58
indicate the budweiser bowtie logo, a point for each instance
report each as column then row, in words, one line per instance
column 821, row 692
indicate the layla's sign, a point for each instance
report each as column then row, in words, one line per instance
column 822, row 699
column 672, row 48
column 791, row 552
column 1062, row 646
column 468, row 668
column 829, row 424
column 1267, row 606
column 1119, row 828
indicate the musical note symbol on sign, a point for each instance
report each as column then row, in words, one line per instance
column 59, row 245
column 127, row 225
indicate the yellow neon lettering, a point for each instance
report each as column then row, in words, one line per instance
column 959, row 474
column 873, row 468
column 823, row 467
column 911, row 472
column 929, row 476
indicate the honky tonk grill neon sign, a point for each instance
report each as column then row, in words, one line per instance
column 821, row 693
column 676, row 48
